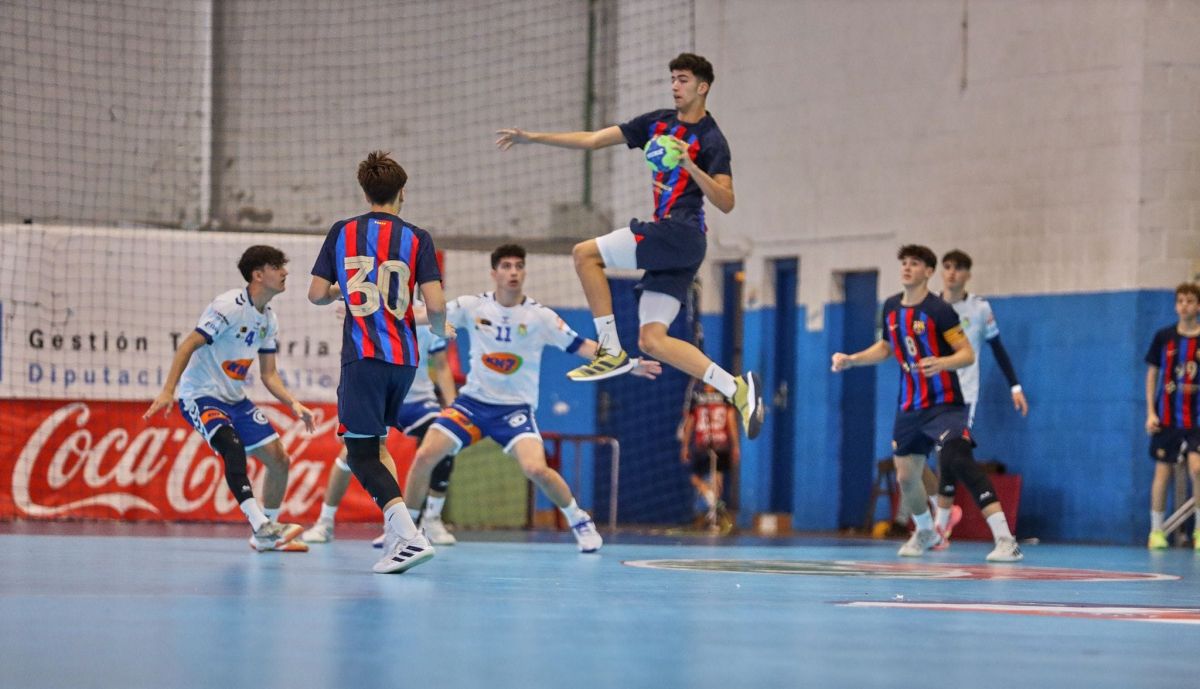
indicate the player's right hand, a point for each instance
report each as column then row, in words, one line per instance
column 1153, row 425
column 841, row 362
column 510, row 137
column 161, row 403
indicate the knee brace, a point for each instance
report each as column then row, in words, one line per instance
column 440, row 480
column 228, row 444
column 958, row 456
column 362, row 454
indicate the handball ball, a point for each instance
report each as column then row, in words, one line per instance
column 661, row 156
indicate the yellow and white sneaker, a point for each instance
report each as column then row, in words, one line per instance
column 1196, row 540
column 749, row 402
column 1157, row 541
column 604, row 366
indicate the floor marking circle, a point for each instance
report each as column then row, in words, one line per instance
column 899, row 570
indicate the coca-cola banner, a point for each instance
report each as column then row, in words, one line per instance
column 101, row 460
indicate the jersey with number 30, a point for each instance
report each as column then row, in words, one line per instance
column 236, row 333
column 377, row 259
column 506, row 346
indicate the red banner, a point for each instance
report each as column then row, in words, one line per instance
column 99, row 460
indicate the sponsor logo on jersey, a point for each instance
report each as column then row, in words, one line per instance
column 502, row 362
column 209, row 415
column 237, row 369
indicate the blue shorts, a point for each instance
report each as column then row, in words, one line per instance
column 670, row 251
column 1171, row 445
column 370, row 396
column 416, row 414
column 208, row 414
column 469, row 420
column 919, row 431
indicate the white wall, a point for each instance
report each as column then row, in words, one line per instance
column 860, row 126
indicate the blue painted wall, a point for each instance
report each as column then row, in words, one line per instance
column 1081, row 452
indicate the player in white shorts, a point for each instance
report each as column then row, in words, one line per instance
column 979, row 325
column 508, row 332
column 420, row 408
column 208, row 377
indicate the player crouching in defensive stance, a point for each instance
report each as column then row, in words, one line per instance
column 925, row 335
column 210, row 370
column 508, row 332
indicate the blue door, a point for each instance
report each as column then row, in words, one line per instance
column 857, row 460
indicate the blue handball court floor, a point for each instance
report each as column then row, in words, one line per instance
column 129, row 606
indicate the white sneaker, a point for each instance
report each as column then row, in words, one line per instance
column 404, row 555
column 920, row 541
column 276, row 536
column 321, row 532
column 436, row 532
column 586, row 535
column 1006, row 550
column 379, row 540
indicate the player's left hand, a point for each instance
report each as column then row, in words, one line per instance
column 685, row 160
column 304, row 413
column 647, row 368
column 1019, row 403
column 932, row 365
column 509, row 137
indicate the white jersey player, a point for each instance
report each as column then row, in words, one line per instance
column 208, row 377
column 508, row 331
column 979, row 324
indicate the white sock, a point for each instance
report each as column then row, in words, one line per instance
column 272, row 513
column 720, row 379
column 254, row 513
column 573, row 514
column 1196, row 524
column 433, row 507
column 414, row 514
column 397, row 520
column 328, row 512
column 999, row 526
column 943, row 517
column 923, row 521
column 1156, row 520
column 709, row 498
column 606, row 333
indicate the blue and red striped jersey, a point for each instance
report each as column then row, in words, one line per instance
column 917, row 332
column 676, row 194
column 1177, row 358
column 378, row 260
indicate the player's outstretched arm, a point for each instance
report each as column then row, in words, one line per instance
column 179, row 362
column 443, row 377
column 589, row 141
column 868, row 357
column 274, row 384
